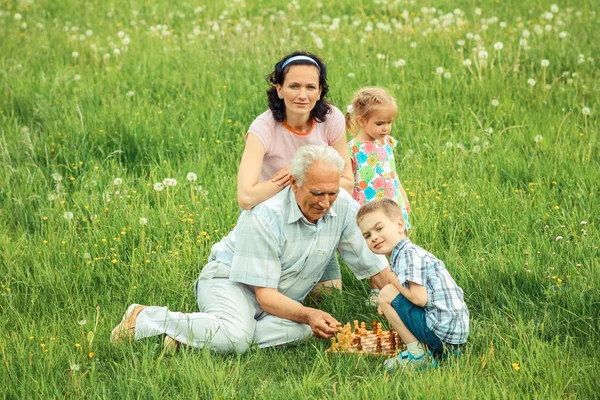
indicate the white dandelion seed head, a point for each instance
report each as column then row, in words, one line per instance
column 351, row 75
column 559, row 238
column 52, row 196
column 380, row 56
column 585, row 111
column 130, row 93
column 126, row 41
column 554, row 8
column 482, row 55
column 448, row 145
column 82, row 322
column 106, row 56
column 116, row 52
column 490, row 130
column 74, row 367
column 467, row 62
column 476, row 149
column 158, row 186
column 196, row 31
column 121, row 34
column 57, row 177
column 143, row 221
column 192, row 177
column 77, row 78
column 18, row 16
column 526, row 33
column 469, row 36
column 170, row 182
column 118, row 181
column 523, row 42
column 502, row 24
column 447, row 75
column 400, row 63
column 498, row 46
column 460, row 42
column 215, row 27
column 563, row 35
column 439, row 70
column 476, row 37
column 68, row 215
column 413, row 45
column 74, row 54
column 544, row 63
column 531, row 82
column 495, row 103
column 538, row 138
column 89, row 33
column 583, row 223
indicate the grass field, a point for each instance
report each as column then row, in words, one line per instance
column 498, row 151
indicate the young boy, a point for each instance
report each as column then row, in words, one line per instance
column 427, row 307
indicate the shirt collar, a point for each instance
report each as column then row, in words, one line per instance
column 401, row 245
column 295, row 213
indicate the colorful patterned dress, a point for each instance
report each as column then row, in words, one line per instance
column 374, row 171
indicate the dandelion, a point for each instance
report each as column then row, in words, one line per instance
column 537, row 138
column 531, row 82
column 118, row 181
column 467, row 62
column 126, row 41
column 143, row 221
column 559, row 238
column 52, row 196
column 89, row 33
column 562, row 35
column 583, row 223
column 498, row 46
column 351, row 75
column 90, row 354
column 74, row 367
column 495, row 103
column 68, row 215
column 130, row 93
column 116, row 52
column 483, row 55
column 476, row 149
column 516, row 366
column 585, row 111
column 413, row 45
column 554, row 8
column 170, row 182
column 400, row 63
column 544, row 63
column 158, row 186
column 74, row 54
column 18, row 16
column 77, row 78
column 439, row 70
column 448, row 145
column 447, row 75
column 82, row 322
column 380, row 56
column 460, row 42
column 191, row 177
column 469, row 35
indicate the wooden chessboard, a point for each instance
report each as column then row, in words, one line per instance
column 362, row 341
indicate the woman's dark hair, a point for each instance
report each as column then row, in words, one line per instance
column 277, row 105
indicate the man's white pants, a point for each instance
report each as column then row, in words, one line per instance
column 229, row 319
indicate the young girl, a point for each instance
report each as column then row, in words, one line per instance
column 369, row 119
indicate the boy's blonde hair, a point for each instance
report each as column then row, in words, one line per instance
column 389, row 207
column 368, row 101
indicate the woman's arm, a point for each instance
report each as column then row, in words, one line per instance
column 250, row 192
column 347, row 179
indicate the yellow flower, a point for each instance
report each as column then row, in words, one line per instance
column 90, row 354
column 30, row 337
column 77, row 345
column 516, row 366
column 556, row 207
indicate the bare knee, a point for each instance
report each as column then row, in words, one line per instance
column 387, row 294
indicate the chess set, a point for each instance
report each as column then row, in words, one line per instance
column 362, row 341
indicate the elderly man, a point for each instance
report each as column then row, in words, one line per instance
column 256, row 277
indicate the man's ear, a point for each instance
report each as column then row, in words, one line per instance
column 293, row 184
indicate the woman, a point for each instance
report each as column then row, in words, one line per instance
column 298, row 114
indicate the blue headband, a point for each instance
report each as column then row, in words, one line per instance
column 298, row 58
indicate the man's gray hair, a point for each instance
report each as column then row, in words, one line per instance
column 307, row 155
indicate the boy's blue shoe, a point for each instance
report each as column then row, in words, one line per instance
column 406, row 360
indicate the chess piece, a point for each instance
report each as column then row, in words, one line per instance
column 356, row 331
column 334, row 345
column 378, row 347
column 359, row 346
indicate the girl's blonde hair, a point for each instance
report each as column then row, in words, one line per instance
column 367, row 102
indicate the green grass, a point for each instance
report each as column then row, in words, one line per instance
column 492, row 188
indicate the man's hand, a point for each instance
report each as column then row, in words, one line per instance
column 322, row 324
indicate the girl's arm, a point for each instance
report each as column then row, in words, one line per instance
column 250, row 192
column 347, row 179
column 404, row 196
